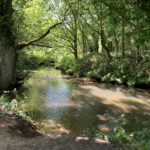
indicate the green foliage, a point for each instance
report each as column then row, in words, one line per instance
column 35, row 58
column 139, row 140
column 66, row 63
column 126, row 38
column 121, row 137
column 34, row 112
column 12, row 106
column 142, row 139
column 21, row 108
column 121, row 71
column 118, row 137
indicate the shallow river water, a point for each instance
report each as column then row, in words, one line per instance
column 80, row 106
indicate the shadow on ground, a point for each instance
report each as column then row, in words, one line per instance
column 12, row 130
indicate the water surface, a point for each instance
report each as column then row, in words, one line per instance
column 80, row 106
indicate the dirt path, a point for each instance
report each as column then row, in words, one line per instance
column 17, row 134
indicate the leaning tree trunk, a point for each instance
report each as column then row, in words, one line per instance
column 7, row 50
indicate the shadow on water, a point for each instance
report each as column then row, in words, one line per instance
column 77, row 107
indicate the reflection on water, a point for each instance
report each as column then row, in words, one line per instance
column 77, row 107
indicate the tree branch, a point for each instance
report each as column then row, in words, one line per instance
column 88, row 24
column 23, row 45
column 41, row 45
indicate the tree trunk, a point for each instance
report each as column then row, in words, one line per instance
column 7, row 50
column 75, row 41
column 116, row 41
column 75, row 32
column 84, row 44
column 123, row 39
column 7, row 66
column 102, row 34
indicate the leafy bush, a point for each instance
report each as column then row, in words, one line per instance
column 34, row 58
column 21, row 108
column 121, row 137
column 138, row 140
column 142, row 139
column 66, row 63
column 122, row 71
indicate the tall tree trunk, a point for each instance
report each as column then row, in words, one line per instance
column 116, row 41
column 138, row 45
column 7, row 50
column 75, row 48
column 75, row 32
column 84, row 45
column 123, row 39
column 95, row 42
column 75, row 40
column 102, row 34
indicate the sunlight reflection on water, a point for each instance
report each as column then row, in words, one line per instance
column 80, row 106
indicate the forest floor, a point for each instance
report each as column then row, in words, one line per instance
column 18, row 134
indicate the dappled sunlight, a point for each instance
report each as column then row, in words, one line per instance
column 102, row 47
column 51, row 127
column 81, row 138
column 67, row 106
column 125, row 102
column 105, row 128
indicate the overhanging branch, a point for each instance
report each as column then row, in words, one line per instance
column 23, row 45
column 41, row 45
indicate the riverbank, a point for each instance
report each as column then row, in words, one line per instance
column 121, row 72
column 16, row 134
column 98, row 81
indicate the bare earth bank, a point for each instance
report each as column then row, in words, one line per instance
column 18, row 134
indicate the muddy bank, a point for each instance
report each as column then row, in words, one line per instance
column 18, row 126
column 16, row 134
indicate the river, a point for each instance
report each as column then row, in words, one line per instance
column 80, row 106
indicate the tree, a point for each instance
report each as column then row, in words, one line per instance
column 68, row 32
column 8, row 47
column 118, row 28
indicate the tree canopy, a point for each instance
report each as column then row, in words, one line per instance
column 116, row 31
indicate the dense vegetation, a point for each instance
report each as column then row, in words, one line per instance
column 107, row 40
column 101, row 39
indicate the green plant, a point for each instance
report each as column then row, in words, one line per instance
column 121, row 137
